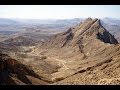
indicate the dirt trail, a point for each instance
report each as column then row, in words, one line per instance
column 60, row 62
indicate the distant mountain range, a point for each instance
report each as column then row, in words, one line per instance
column 10, row 27
column 111, row 21
column 21, row 25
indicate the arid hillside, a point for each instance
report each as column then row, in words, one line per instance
column 84, row 54
column 12, row 72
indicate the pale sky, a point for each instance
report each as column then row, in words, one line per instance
column 59, row 11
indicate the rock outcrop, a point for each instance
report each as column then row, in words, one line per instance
column 13, row 72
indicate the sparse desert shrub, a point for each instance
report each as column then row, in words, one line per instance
column 44, row 57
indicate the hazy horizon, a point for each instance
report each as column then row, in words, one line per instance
column 59, row 11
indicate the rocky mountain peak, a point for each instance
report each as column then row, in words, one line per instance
column 88, row 19
column 89, row 30
column 93, row 28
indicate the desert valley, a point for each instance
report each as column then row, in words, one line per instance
column 80, row 51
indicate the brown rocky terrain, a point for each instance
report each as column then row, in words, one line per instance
column 13, row 72
column 85, row 54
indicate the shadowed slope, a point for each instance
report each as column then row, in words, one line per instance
column 13, row 72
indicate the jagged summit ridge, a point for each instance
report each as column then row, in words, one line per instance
column 90, row 29
column 93, row 28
